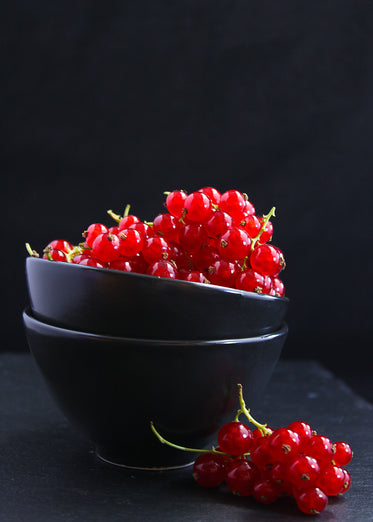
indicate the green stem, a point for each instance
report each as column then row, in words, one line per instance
column 116, row 217
column 31, row 252
column 261, row 427
column 266, row 218
column 183, row 448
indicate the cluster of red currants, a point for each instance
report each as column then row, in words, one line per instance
column 268, row 464
column 204, row 236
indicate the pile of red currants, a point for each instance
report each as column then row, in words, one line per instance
column 204, row 236
column 268, row 464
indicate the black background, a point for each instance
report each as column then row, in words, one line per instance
column 109, row 104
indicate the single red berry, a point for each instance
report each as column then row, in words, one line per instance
column 240, row 476
column 331, row 480
column 342, row 453
column 283, row 444
column 267, row 260
column 251, row 225
column 53, row 254
column 260, row 453
column 79, row 257
column 218, row 223
column 212, row 193
column 145, row 229
column 234, row 203
column 346, row 483
column 319, row 447
column 127, row 221
column 89, row 261
column 162, row 268
column 156, row 248
column 94, row 230
column 303, row 429
column 122, row 263
column 198, row 207
column 235, row 438
column 60, row 244
column 249, row 209
column 175, row 202
column 179, row 256
column 204, row 257
column 303, row 471
column 208, row 469
column 311, row 501
column 191, row 275
column 278, row 287
column 223, row 273
column 105, row 247
column 234, row 244
column 252, row 281
column 265, row 491
column 192, row 236
column 131, row 242
column 114, row 230
column 167, row 226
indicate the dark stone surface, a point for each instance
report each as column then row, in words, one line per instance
column 48, row 472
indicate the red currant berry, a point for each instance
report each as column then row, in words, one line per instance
column 106, row 247
column 145, row 229
column 218, row 223
column 234, row 203
column 53, row 254
column 252, row 281
column 223, row 273
column 156, row 248
column 178, row 256
column 192, row 236
column 127, row 221
column 265, row 491
column 60, row 244
column 208, row 469
column 278, row 287
column 260, row 453
column 212, row 193
column 311, row 501
column 175, row 202
column 89, row 261
column 249, row 209
column 122, row 263
column 251, row 225
column 303, row 471
column 267, row 260
column 234, row 244
column 319, row 447
column 283, row 444
column 331, row 480
column 162, row 268
column 198, row 207
column 167, row 225
column 342, row 453
column 204, row 257
column 93, row 231
column 191, row 275
column 240, row 476
column 303, row 429
column 130, row 242
column 235, row 438
column 79, row 257
column 346, row 483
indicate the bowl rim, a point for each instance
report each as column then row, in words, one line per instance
column 32, row 322
column 164, row 280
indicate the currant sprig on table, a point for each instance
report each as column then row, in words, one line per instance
column 268, row 464
column 204, row 236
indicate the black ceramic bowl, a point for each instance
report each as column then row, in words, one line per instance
column 111, row 302
column 110, row 388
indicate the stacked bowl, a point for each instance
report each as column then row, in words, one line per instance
column 118, row 350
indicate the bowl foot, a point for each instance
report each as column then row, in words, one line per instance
column 143, row 468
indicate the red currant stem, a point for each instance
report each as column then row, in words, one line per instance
column 266, row 218
column 166, row 192
column 31, row 252
column 116, row 217
column 261, row 427
column 74, row 252
column 126, row 210
column 183, row 448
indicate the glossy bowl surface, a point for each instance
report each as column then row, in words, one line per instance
column 110, row 388
column 125, row 304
